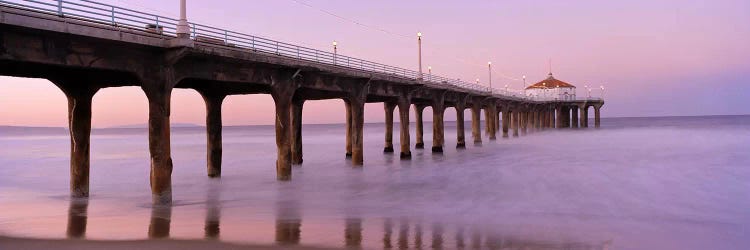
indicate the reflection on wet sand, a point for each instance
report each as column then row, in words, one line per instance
column 213, row 213
column 288, row 230
column 161, row 217
column 77, row 218
column 353, row 232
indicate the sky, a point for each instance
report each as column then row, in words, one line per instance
column 654, row 58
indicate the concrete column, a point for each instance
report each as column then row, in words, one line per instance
column 492, row 118
column 438, row 133
column 487, row 121
column 460, row 134
column 403, row 111
column 297, row 105
column 282, row 97
column 389, row 107
column 213, row 133
column 516, row 122
column 558, row 117
column 574, row 113
column 420, row 126
column 552, row 121
column 79, row 94
column 348, row 106
column 584, row 116
column 497, row 119
column 597, row 116
column 506, row 121
column 524, row 122
column 357, row 137
column 159, row 141
column 476, row 130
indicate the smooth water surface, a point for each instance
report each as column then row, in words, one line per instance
column 636, row 183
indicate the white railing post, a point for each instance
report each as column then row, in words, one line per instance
column 59, row 8
column 113, row 15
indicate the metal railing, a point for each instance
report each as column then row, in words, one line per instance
column 123, row 18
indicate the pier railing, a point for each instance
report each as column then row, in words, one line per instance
column 166, row 26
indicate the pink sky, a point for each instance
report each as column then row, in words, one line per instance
column 654, row 57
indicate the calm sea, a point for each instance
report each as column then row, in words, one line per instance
column 636, row 183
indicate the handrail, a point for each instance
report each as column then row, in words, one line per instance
column 165, row 26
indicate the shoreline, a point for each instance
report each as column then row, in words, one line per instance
column 7, row 242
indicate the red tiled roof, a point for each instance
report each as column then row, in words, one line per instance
column 550, row 83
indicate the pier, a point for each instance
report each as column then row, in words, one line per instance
column 84, row 46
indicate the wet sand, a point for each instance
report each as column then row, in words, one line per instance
column 32, row 244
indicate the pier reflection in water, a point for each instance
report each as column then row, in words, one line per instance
column 288, row 231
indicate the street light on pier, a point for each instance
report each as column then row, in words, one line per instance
column 524, row 81
column 335, row 51
column 419, row 44
column 489, row 70
column 602, row 95
column 183, row 29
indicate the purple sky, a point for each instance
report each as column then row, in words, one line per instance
column 654, row 57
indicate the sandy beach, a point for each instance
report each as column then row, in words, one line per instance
column 32, row 244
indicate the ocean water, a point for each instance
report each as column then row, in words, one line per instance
column 636, row 183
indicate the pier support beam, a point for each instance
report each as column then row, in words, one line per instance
column 213, row 133
column 297, row 105
column 476, row 130
column 438, row 132
column 460, row 133
column 348, row 129
column 159, row 93
column 403, row 112
column 558, row 116
column 597, row 116
column 418, row 109
column 357, row 99
column 584, row 116
column 524, row 122
column 506, row 121
column 283, row 87
column 389, row 107
column 492, row 118
column 516, row 121
column 574, row 113
column 79, row 94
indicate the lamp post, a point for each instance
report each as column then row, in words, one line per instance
column 489, row 70
column 602, row 95
column 183, row 30
column 419, row 44
column 524, row 81
column 335, row 51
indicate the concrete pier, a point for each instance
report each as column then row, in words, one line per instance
column 348, row 126
column 81, row 57
column 297, row 105
column 460, row 134
column 492, row 118
column 403, row 111
column 476, row 130
column 438, row 133
column 389, row 107
column 506, row 121
column 79, row 95
column 418, row 109
column 159, row 139
column 213, row 132
column 357, row 101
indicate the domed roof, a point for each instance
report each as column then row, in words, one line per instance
column 550, row 83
